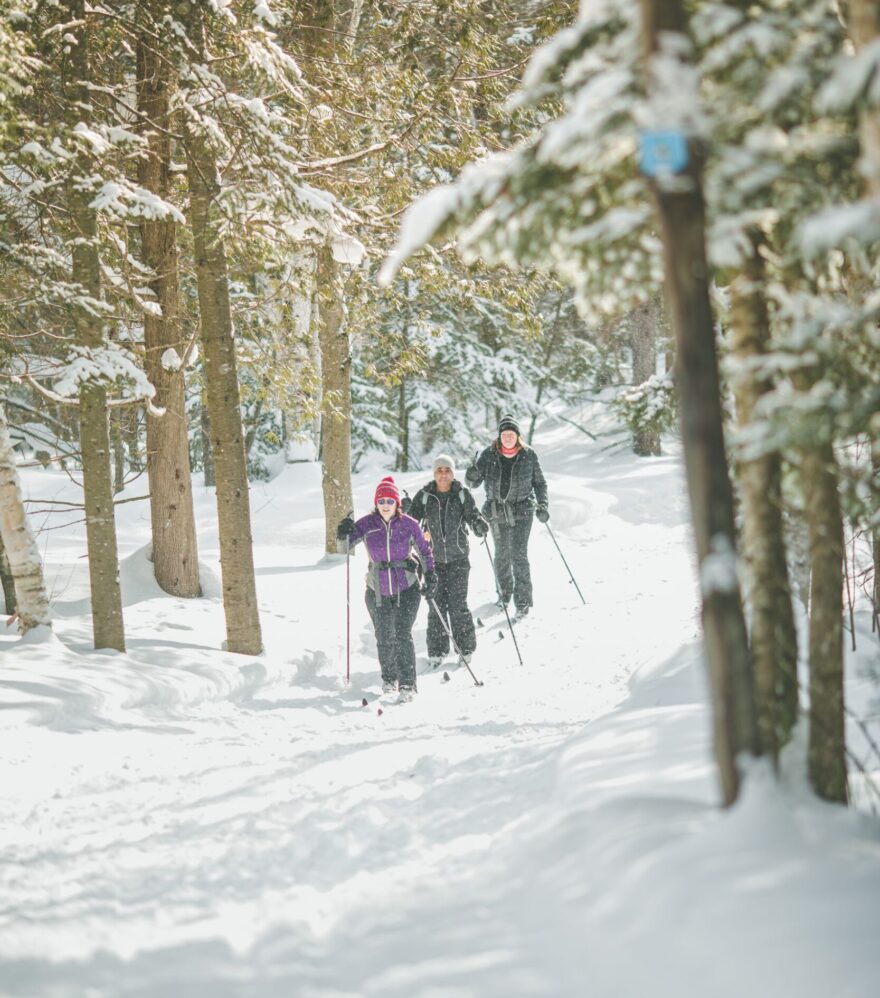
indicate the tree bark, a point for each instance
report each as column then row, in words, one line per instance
column 827, row 749
column 7, row 581
column 243, row 632
column 175, row 550
column 773, row 635
column 335, row 396
column 643, row 343
column 19, row 547
column 118, row 446
column 207, row 452
column 107, row 622
column 864, row 27
column 682, row 216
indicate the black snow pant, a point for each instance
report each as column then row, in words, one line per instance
column 512, row 560
column 451, row 600
column 393, row 618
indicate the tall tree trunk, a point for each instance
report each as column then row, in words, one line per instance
column 682, row 216
column 7, row 580
column 107, row 622
column 243, row 632
column 335, row 396
column 875, row 537
column 175, row 550
column 402, row 463
column 643, row 342
column 549, row 348
column 773, row 635
column 827, row 750
column 207, row 451
column 18, row 544
column 864, row 27
column 118, row 446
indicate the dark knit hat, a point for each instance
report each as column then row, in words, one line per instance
column 508, row 423
column 386, row 489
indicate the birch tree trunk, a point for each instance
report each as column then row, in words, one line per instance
column 773, row 636
column 335, row 396
column 243, row 633
column 19, row 546
column 107, row 622
column 175, row 550
column 682, row 217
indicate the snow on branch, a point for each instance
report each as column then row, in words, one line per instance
column 109, row 366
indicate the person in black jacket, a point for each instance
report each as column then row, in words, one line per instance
column 445, row 508
column 515, row 492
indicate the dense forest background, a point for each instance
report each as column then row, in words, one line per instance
column 197, row 197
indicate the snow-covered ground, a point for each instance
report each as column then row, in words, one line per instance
column 182, row 821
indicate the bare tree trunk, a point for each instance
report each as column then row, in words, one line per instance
column 773, row 636
column 549, row 349
column 402, row 463
column 7, row 581
column 243, row 632
column 207, row 451
column 107, row 622
column 643, row 342
column 682, row 215
column 875, row 540
column 827, row 750
column 118, row 445
column 18, row 543
column 864, row 27
column 175, row 550
column 335, row 396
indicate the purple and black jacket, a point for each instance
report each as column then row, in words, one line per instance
column 394, row 549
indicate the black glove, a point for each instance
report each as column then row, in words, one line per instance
column 345, row 529
column 542, row 513
column 429, row 586
column 480, row 527
column 472, row 475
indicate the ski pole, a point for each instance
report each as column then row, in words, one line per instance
column 348, row 606
column 564, row 562
column 348, row 615
column 503, row 604
column 448, row 630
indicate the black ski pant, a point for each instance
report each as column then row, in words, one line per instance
column 512, row 560
column 393, row 618
column 451, row 600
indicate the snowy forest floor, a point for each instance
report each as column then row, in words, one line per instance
column 183, row 821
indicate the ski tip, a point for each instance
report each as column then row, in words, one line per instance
column 364, row 702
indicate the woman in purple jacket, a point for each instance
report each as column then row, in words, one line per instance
column 395, row 545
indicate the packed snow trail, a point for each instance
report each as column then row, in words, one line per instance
column 182, row 821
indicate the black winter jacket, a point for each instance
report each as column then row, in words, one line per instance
column 449, row 538
column 527, row 488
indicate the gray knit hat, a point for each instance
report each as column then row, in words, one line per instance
column 443, row 461
column 508, row 423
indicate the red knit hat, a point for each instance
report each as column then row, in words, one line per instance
column 386, row 489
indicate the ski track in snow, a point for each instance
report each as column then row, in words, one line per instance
column 183, row 821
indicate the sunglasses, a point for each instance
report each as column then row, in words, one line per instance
column 386, row 502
